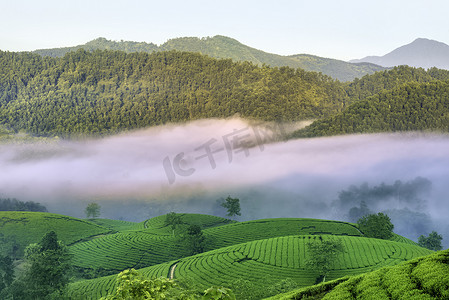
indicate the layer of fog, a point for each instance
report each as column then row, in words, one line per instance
column 145, row 173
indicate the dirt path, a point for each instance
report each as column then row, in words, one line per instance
column 172, row 271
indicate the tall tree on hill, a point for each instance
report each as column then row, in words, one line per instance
column 92, row 210
column 48, row 270
column 173, row 220
column 322, row 255
column 376, row 226
column 232, row 205
column 431, row 242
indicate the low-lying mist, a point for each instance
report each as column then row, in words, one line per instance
column 187, row 168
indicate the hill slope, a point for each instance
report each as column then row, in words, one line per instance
column 105, row 92
column 156, row 244
column 421, row 278
column 412, row 107
column 421, row 52
column 29, row 227
column 265, row 262
column 225, row 47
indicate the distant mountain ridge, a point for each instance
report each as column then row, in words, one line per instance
column 225, row 47
column 424, row 53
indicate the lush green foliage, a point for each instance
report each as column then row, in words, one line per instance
column 323, row 255
column 132, row 286
column 432, row 242
column 92, row 210
column 422, row 278
column 411, row 107
column 105, row 91
column 194, row 239
column 225, row 47
column 47, row 272
column 232, row 205
column 376, row 226
column 16, row 205
column 28, row 227
column 173, row 220
column 6, row 275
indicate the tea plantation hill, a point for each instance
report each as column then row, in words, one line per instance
column 30, row 227
column 260, row 251
column 421, row 278
column 253, row 250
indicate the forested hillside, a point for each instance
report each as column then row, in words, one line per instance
column 109, row 91
column 105, row 92
column 411, row 107
column 225, row 47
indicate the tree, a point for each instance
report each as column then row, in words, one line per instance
column 6, row 275
column 173, row 220
column 92, row 210
column 131, row 285
column 47, row 272
column 431, row 242
column 218, row 292
column 232, row 205
column 377, row 226
column 194, row 239
column 322, row 254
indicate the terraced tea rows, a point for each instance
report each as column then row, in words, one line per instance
column 285, row 257
column 152, row 244
column 118, row 225
column 422, row 278
column 30, row 227
column 274, row 259
column 129, row 249
column 262, row 229
column 156, row 244
column 157, row 226
column 99, row 287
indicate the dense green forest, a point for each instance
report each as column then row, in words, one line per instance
column 110, row 91
column 105, row 92
column 225, row 47
column 412, row 107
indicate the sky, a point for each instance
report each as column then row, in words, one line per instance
column 345, row 29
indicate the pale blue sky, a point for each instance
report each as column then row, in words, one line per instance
column 343, row 29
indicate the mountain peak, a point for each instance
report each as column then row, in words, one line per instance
column 422, row 52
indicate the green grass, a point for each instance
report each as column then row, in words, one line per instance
column 30, row 227
column 421, row 278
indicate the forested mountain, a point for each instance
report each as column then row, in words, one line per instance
column 225, row 47
column 414, row 106
column 109, row 91
column 421, row 52
column 338, row 69
column 104, row 92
